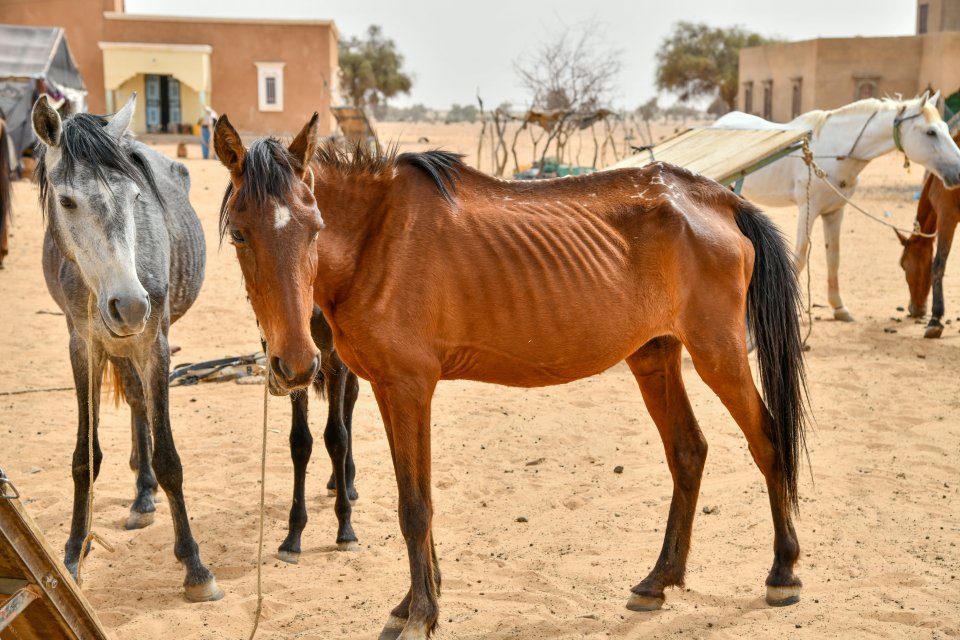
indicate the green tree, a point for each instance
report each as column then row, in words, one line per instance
column 371, row 70
column 698, row 60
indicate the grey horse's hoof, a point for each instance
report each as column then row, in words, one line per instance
column 783, row 596
column 933, row 330
column 639, row 602
column 137, row 520
column 349, row 545
column 206, row 592
column 842, row 315
column 393, row 628
column 290, row 557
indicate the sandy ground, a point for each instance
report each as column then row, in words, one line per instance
column 879, row 526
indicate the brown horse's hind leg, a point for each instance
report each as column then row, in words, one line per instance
column 656, row 367
column 405, row 407
column 722, row 363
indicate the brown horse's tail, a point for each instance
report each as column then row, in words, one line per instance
column 773, row 306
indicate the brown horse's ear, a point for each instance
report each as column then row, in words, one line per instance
column 304, row 146
column 904, row 240
column 229, row 146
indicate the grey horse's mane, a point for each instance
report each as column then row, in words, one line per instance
column 85, row 141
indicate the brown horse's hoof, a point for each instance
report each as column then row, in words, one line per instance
column 916, row 312
column 206, row 592
column 349, row 545
column 842, row 315
column 639, row 602
column 933, row 331
column 137, row 520
column 289, row 557
column 783, row 596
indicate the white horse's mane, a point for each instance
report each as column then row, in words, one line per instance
column 817, row 118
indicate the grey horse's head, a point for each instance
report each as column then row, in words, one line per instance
column 91, row 183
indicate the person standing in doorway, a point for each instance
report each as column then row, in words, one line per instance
column 207, row 123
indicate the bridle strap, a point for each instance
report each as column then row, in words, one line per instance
column 860, row 135
column 897, row 121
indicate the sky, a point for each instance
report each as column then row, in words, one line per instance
column 453, row 48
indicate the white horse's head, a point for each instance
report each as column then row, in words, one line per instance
column 924, row 137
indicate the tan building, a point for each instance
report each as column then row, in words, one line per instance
column 268, row 75
column 781, row 81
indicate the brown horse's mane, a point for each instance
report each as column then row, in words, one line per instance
column 270, row 171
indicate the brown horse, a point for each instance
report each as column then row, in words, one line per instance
column 937, row 211
column 429, row 270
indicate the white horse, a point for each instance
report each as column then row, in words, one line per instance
column 844, row 141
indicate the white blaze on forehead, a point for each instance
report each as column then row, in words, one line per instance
column 281, row 217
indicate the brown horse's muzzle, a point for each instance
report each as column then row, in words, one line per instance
column 289, row 378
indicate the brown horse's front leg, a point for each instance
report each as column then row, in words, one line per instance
column 656, row 367
column 939, row 267
column 405, row 407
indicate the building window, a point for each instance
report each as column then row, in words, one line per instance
column 796, row 99
column 923, row 12
column 748, row 97
column 866, row 88
column 768, row 99
column 270, row 85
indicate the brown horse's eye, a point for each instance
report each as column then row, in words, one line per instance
column 237, row 237
column 67, row 203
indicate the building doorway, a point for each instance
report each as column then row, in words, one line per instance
column 163, row 103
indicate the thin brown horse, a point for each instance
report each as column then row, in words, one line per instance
column 429, row 270
column 938, row 211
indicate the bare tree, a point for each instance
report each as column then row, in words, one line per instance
column 572, row 71
column 569, row 77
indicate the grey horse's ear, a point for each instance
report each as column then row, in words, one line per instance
column 304, row 146
column 229, row 145
column 119, row 123
column 46, row 122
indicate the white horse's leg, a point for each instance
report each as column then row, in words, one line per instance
column 803, row 235
column 831, row 236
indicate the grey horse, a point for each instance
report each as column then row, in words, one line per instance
column 123, row 257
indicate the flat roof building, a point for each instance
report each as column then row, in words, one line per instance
column 781, row 81
column 268, row 75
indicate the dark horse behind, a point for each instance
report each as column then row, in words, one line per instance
column 938, row 212
column 428, row 270
column 6, row 189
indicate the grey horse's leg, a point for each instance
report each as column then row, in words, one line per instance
column 301, row 447
column 200, row 585
column 142, row 510
column 83, row 378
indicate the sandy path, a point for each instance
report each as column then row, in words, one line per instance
column 879, row 526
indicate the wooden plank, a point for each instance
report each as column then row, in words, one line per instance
column 720, row 154
column 62, row 612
